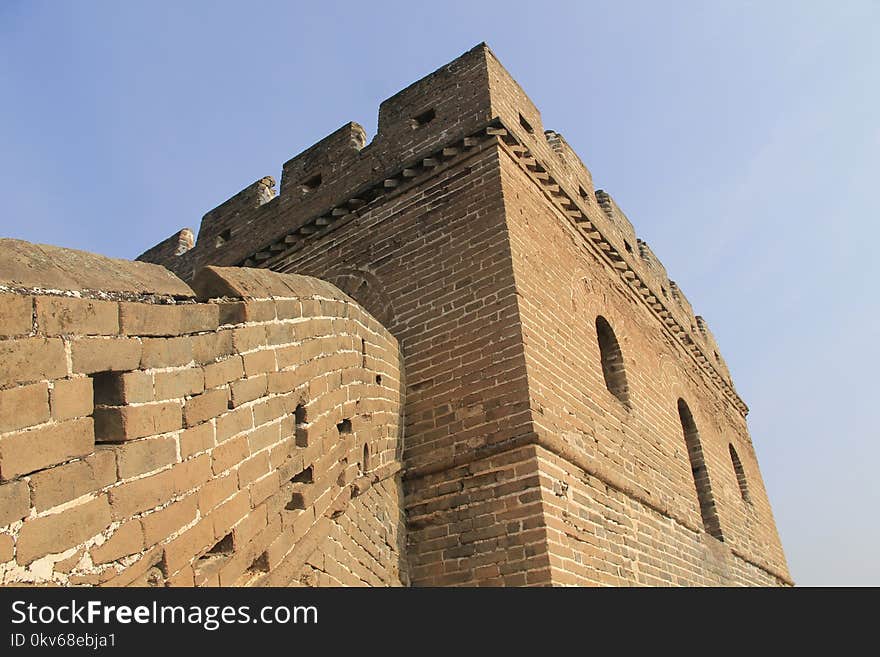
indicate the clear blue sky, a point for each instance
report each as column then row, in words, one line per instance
column 741, row 138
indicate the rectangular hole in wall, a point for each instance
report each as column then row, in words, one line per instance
column 304, row 477
column 526, row 125
column 297, row 502
column 260, row 564
column 223, row 237
column 108, row 388
column 344, row 426
column 424, row 118
column 111, row 390
column 299, row 415
column 311, row 184
column 222, row 547
column 300, row 431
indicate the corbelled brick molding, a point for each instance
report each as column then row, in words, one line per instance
column 245, row 431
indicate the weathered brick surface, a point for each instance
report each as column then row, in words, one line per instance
column 24, row 406
column 139, row 495
column 149, row 319
column 101, row 355
column 246, row 390
column 127, row 539
column 207, row 347
column 7, row 548
column 16, row 314
column 72, row 398
column 162, row 524
column 258, row 362
column 200, row 317
column 179, row 383
column 191, row 474
column 240, row 312
column 230, row 369
column 234, row 423
column 196, row 439
column 31, row 359
column 166, row 352
column 142, row 456
column 195, row 540
column 72, row 316
column 25, row 451
column 205, row 406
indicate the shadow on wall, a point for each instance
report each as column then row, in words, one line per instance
column 231, row 433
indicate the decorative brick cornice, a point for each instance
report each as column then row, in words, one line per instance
column 364, row 200
column 572, row 206
column 575, row 210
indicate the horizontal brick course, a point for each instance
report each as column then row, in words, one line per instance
column 16, row 314
column 126, row 540
column 150, row 319
column 205, row 406
column 166, row 352
column 14, row 502
column 22, row 452
column 178, row 384
column 31, row 359
column 72, row 316
column 66, row 482
column 24, row 406
column 119, row 423
column 60, row 531
column 91, row 355
column 143, row 456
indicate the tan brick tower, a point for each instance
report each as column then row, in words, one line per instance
column 568, row 419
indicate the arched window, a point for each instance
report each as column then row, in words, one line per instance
column 740, row 474
column 612, row 361
column 701, row 475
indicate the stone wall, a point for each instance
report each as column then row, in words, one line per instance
column 635, row 444
column 245, row 431
column 569, row 419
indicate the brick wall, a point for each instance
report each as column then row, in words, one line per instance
column 449, row 298
column 249, row 433
column 532, row 456
column 636, row 446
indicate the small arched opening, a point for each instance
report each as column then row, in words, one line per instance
column 709, row 513
column 612, row 361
